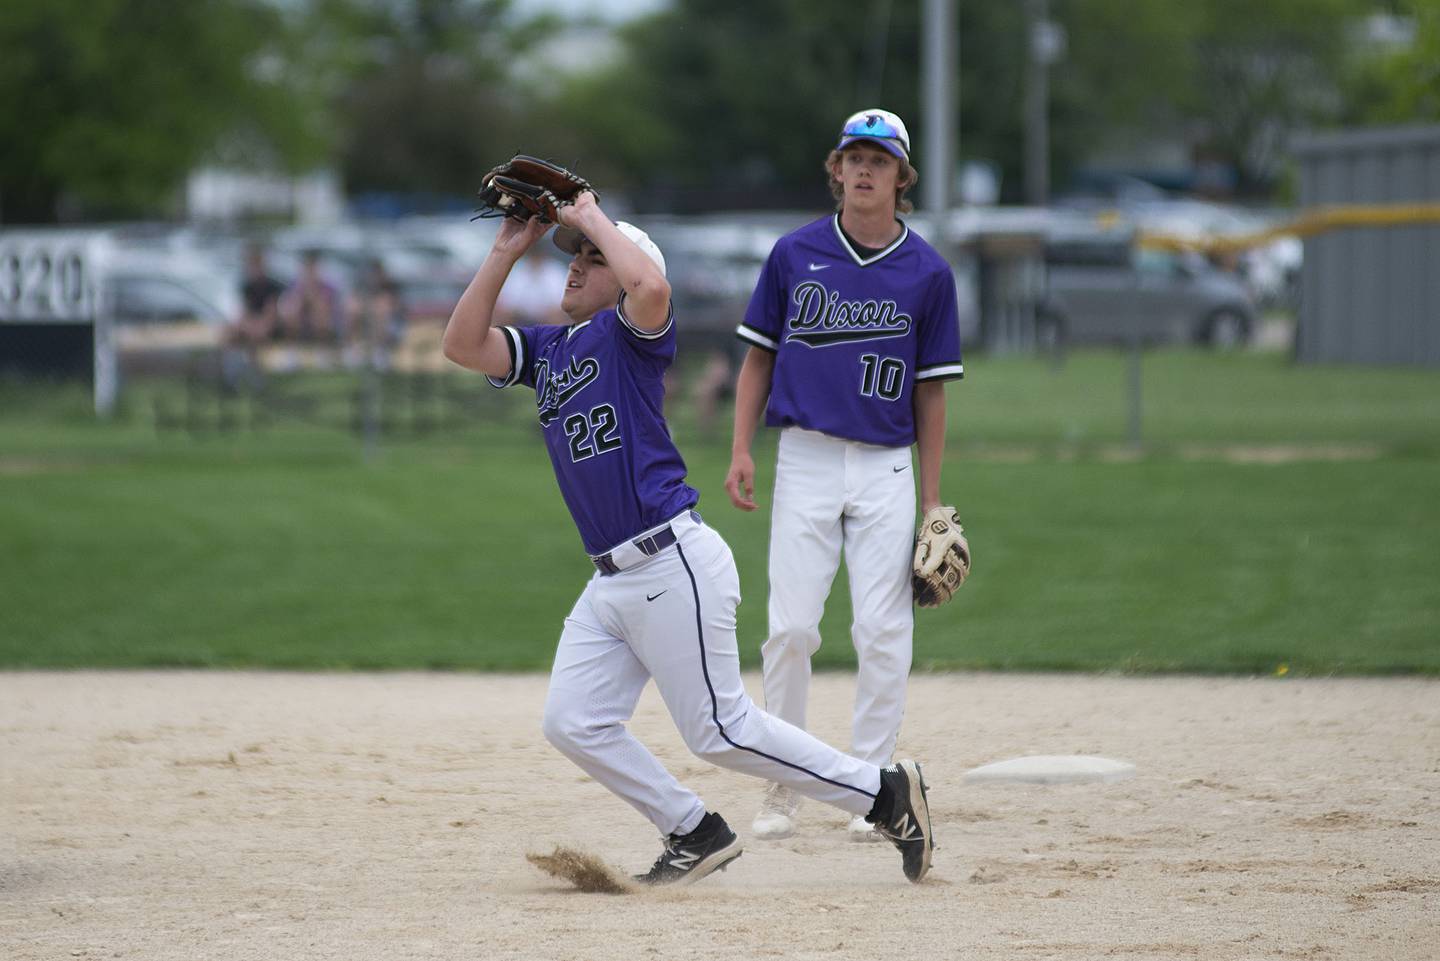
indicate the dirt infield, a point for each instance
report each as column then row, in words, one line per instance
column 290, row 816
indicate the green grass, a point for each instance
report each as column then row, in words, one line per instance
column 1192, row 397
column 291, row 548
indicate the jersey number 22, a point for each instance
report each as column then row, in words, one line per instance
column 592, row 433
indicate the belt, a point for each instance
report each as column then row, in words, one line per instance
column 648, row 545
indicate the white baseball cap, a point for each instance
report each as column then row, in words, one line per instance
column 568, row 239
column 880, row 127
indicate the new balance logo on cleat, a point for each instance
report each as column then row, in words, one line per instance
column 689, row 857
column 902, row 814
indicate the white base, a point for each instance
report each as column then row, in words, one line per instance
column 1052, row 769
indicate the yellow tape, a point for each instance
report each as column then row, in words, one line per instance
column 1317, row 221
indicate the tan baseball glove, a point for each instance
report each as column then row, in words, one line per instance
column 524, row 187
column 942, row 558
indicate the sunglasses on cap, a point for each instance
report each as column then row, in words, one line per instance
column 873, row 126
column 881, row 127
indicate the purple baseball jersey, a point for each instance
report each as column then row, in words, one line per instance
column 852, row 335
column 599, row 389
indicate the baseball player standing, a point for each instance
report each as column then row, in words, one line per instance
column 662, row 601
column 853, row 330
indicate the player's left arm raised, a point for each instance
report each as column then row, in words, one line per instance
column 647, row 292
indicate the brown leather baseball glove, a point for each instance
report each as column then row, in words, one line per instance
column 524, row 187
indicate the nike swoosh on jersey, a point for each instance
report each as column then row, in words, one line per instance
column 651, row 597
column 896, row 470
column 819, row 266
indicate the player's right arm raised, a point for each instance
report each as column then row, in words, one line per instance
column 470, row 340
column 752, row 389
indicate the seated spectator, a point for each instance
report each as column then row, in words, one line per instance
column 260, row 296
column 377, row 314
column 310, row 311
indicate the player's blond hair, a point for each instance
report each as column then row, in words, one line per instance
column 907, row 178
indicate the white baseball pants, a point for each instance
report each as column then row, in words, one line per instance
column 833, row 494
column 672, row 617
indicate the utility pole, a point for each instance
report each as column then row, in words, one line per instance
column 1045, row 44
column 872, row 81
column 938, row 96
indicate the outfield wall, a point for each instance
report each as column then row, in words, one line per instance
column 1371, row 294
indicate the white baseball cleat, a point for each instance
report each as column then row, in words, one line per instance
column 863, row 831
column 776, row 819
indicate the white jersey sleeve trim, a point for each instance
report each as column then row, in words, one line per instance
column 517, row 358
column 641, row 332
column 940, row 372
column 753, row 336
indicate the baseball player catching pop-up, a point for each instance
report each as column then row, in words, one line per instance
column 662, row 601
column 853, row 330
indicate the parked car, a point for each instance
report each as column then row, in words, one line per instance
column 1270, row 271
column 161, row 290
column 429, row 277
column 168, row 309
column 1105, row 289
column 712, row 264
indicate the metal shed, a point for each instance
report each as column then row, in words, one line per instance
column 1371, row 294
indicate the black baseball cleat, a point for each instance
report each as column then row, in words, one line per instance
column 902, row 814
column 689, row 857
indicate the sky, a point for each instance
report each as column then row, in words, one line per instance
column 613, row 10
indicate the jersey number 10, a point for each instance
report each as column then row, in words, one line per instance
column 882, row 377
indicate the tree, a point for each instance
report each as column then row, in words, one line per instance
column 736, row 102
column 1399, row 84
column 1264, row 70
column 1228, row 79
column 1122, row 83
column 420, row 89
column 109, row 103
